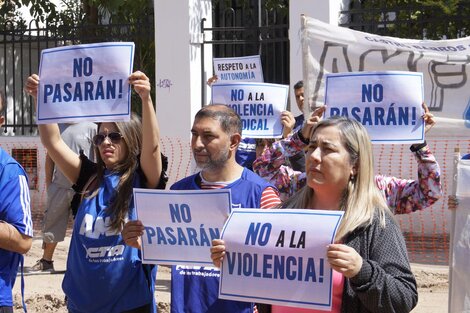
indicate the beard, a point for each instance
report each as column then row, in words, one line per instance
column 214, row 162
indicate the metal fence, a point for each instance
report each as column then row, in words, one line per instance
column 240, row 30
column 21, row 51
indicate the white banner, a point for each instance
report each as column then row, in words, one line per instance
column 459, row 297
column 85, row 82
column 443, row 63
column 279, row 257
column 388, row 104
column 239, row 69
column 258, row 104
column 180, row 225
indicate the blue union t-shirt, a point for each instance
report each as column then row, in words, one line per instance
column 195, row 289
column 15, row 210
column 103, row 274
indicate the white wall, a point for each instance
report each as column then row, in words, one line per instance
column 178, row 74
column 324, row 10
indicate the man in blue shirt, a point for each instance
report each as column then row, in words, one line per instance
column 216, row 135
column 16, row 229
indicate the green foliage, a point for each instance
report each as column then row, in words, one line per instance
column 41, row 10
column 82, row 20
column 418, row 19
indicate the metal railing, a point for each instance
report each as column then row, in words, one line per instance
column 22, row 51
column 240, row 31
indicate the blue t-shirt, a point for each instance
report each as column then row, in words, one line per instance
column 195, row 289
column 15, row 210
column 103, row 274
column 246, row 153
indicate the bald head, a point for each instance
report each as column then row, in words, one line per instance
column 229, row 120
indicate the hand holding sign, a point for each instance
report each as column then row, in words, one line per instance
column 344, row 259
column 217, row 252
column 31, row 87
column 314, row 118
column 428, row 118
column 141, row 84
column 132, row 232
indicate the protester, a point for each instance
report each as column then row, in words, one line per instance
column 103, row 274
column 78, row 137
column 402, row 195
column 452, row 201
column 371, row 271
column 216, row 134
column 16, row 228
column 246, row 152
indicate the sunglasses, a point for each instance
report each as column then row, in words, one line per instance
column 114, row 137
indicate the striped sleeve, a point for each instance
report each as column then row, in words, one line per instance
column 15, row 204
column 26, row 205
column 270, row 198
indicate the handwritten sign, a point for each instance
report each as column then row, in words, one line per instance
column 180, row 225
column 85, row 82
column 258, row 104
column 239, row 69
column 279, row 257
column 388, row 104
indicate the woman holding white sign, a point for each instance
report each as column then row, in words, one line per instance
column 371, row 270
column 99, row 262
column 402, row 195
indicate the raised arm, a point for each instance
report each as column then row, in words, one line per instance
column 406, row 195
column 270, row 164
column 150, row 158
column 64, row 158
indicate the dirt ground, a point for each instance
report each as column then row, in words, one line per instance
column 43, row 292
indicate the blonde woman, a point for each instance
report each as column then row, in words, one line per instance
column 371, row 271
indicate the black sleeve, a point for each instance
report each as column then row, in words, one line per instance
column 87, row 169
column 163, row 176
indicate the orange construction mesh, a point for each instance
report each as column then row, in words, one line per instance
column 426, row 232
column 30, row 154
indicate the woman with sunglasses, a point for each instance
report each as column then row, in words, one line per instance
column 103, row 274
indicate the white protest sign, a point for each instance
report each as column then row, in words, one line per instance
column 444, row 64
column 279, row 257
column 239, row 69
column 85, row 82
column 388, row 104
column 258, row 104
column 180, row 225
column 459, row 292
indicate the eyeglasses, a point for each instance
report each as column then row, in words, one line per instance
column 114, row 137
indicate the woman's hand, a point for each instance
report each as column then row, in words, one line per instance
column 141, row 84
column 428, row 118
column 32, row 85
column 212, row 80
column 217, row 252
column 314, row 118
column 131, row 233
column 288, row 122
column 344, row 259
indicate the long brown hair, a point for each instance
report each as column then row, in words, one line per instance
column 126, row 168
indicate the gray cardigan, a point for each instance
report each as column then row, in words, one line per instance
column 385, row 282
